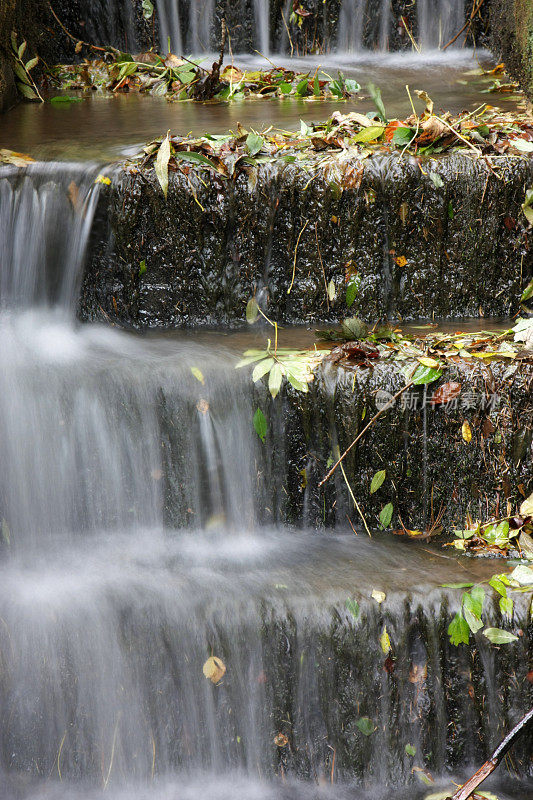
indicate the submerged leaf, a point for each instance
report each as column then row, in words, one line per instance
column 214, row 669
column 366, row 726
column 499, row 636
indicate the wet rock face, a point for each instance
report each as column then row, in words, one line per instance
column 511, row 24
column 7, row 83
column 418, row 250
column 430, row 468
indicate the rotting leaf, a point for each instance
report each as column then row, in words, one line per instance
column 214, row 669
column 252, row 311
column 526, row 509
column 280, row 740
column 445, row 393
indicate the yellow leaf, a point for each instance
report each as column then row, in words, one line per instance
column 103, row 179
column 198, row 374
column 466, row 430
column 401, row 261
column 429, row 362
column 526, row 509
column 214, row 669
column 385, row 641
column 378, row 596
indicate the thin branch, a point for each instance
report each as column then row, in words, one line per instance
column 467, row 24
column 77, row 39
column 360, row 435
column 465, row 791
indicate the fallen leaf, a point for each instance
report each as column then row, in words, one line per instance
column 280, row 740
column 214, row 669
column 384, row 641
column 378, row 596
column 526, row 509
column 446, row 392
column 466, row 431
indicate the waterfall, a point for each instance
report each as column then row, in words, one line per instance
column 262, row 25
column 168, row 12
column 351, row 23
column 201, row 23
column 439, row 21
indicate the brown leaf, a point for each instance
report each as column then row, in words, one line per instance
column 418, row 673
column 214, row 669
column 280, row 740
column 446, row 392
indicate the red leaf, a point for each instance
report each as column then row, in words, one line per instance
column 446, row 392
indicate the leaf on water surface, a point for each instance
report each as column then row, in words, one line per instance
column 384, row 641
column 456, row 585
column 161, row 164
column 466, row 431
column 353, row 608
column 214, row 669
column 377, row 480
column 198, row 375
column 458, row 630
column 366, row 726
column 499, row 636
column 17, row 159
column 385, row 516
column 260, row 424
column 254, row 143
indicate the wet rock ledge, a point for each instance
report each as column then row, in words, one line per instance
column 419, row 249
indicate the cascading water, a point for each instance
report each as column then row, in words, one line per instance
column 131, row 496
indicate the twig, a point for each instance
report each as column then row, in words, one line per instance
column 410, row 35
column 288, row 31
column 476, row 150
column 77, row 39
column 356, row 504
column 467, row 24
column 296, row 255
column 359, row 435
column 465, row 791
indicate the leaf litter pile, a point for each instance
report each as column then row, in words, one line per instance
column 348, row 139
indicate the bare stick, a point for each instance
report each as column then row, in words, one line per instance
column 467, row 24
column 77, row 39
column 465, row 791
column 359, row 435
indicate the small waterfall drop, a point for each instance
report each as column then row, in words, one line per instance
column 262, row 25
column 170, row 38
column 351, row 23
column 439, row 21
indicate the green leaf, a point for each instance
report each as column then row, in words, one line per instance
column 161, row 164
column 20, row 72
column 299, row 385
column 506, row 606
column 477, row 598
column 352, row 86
column 316, row 86
column 377, row 480
column 64, row 98
column 436, row 180
column 384, row 640
column 458, row 630
column 27, row 91
column 450, row 210
column 456, row 585
column 473, row 622
column 499, row 636
column 262, row 368
column 410, row 750
column 285, row 88
column 402, row 136
column 368, row 134
column 353, row 608
column 424, row 375
column 32, row 63
column 142, row 268
column 148, row 9
column 528, row 292
column 385, row 516
column 352, row 290
column 498, row 586
column 194, row 158
column 252, row 311
column 301, row 87
column 260, row 424
column 21, row 50
column 198, row 374
column 375, row 94
column 522, row 575
column 366, row 726
column 274, row 380
column 254, row 143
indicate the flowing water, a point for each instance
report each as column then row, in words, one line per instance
column 133, row 503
